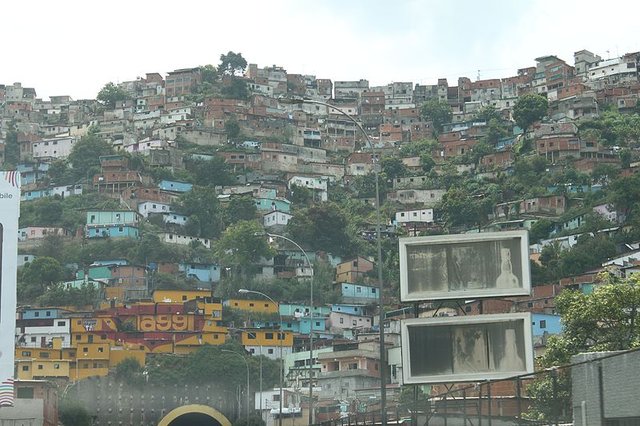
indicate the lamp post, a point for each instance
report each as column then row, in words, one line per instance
column 383, row 387
column 280, row 339
column 247, row 365
column 309, row 265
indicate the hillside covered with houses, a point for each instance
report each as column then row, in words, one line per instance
column 146, row 210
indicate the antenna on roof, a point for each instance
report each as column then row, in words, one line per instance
column 478, row 77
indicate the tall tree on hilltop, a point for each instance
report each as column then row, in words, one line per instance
column 232, row 63
column 111, row 94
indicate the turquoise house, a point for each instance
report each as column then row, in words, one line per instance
column 358, row 293
column 112, row 231
column 272, row 204
column 175, row 186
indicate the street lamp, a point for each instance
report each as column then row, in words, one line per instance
column 383, row 387
column 309, row 265
column 280, row 339
column 247, row 365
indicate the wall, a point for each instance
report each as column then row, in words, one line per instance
column 620, row 394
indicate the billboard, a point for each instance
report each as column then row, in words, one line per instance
column 9, row 212
column 469, row 348
column 464, row 266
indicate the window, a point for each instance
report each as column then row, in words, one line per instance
column 268, row 336
column 24, row 393
column 270, row 351
column 85, row 349
column 40, row 367
column 25, row 368
column 33, row 339
column 101, row 349
column 56, row 366
column 543, row 323
column 341, row 320
column 26, row 353
column 36, row 314
column 48, row 313
column 61, row 324
column 353, row 366
column 44, row 355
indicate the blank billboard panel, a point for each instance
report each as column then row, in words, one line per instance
column 471, row 348
column 464, row 266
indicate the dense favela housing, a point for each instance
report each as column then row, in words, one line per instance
column 231, row 209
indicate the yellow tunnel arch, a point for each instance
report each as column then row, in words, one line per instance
column 194, row 408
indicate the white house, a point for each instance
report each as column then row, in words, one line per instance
column 184, row 240
column 148, row 207
column 408, row 216
column 39, row 335
column 174, row 218
column 66, row 190
column 317, row 184
column 53, row 148
column 23, row 259
column 276, row 218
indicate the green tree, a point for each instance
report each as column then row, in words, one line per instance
column 209, row 74
column 129, row 371
column 35, row 277
column 232, row 63
column 529, row 108
column 203, row 209
column 488, row 113
column 111, row 94
column 235, row 88
column 604, row 320
column 59, row 295
column 625, row 194
column 418, row 148
column 232, row 129
column 212, row 172
column 12, row 147
column 439, row 113
column 242, row 244
column 240, row 208
column 393, row 167
column 73, row 413
column 322, row 227
column 540, row 230
column 85, row 155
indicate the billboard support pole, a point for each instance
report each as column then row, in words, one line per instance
column 489, row 414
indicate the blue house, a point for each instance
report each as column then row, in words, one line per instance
column 40, row 313
column 295, row 325
column 300, row 310
column 358, row 293
column 545, row 324
column 175, row 186
column 112, row 231
column 32, row 172
column 348, row 309
column 271, row 204
column 204, row 272
column 35, row 194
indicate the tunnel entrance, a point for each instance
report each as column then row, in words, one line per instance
column 194, row 415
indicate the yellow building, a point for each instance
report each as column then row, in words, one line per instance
column 179, row 296
column 261, row 337
column 38, row 363
column 261, row 306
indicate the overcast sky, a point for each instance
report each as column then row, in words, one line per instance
column 69, row 47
